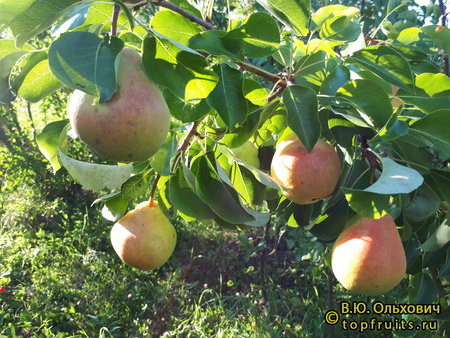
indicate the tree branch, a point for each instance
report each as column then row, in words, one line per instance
column 246, row 66
column 444, row 23
column 184, row 13
column 114, row 19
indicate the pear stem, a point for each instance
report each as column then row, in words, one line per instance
column 180, row 151
column 155, row 184
column 114, row 19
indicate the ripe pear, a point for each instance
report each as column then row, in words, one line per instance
column 309, row 176
column 132, row 125
column 144, row 238
column 368, row 257
column 248, row 153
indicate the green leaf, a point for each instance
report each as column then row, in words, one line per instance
column 395, row 179
column 423, row 205
column 94, row 176
column 242, row 183
column 162, row 159
column 340, row 29
column 415, row 39
column 185, row 111
column 387, row 64
column 440, row 36
column 330, row 225
column 227, row 98
column 273, row 119
column 445, row 271
column 369, row 99
column 331, row 84
column 28, row 18
column 186, row 200
column 258, row 174
column 439, row 238
column 136, row 185
column 254, row 92
column 210, row 42
column 171, row 65
column 432, row 93
column 258, row 36
column 9, row 55
column 294, row 14
column 50, row 139
column 174, row 26
column 434, row 127
column 26, row 65
column 302, row 114
column 442, row 180
column 393, row 129
column 213, row 191
column 239, row 136
column 114, row 208
column 298, row 215
column 313, row 69
column 82, row 60
column 72, row 19
column 329, row 12
column 367, row 204
column 99, row 18
column 38, row 83
column 424, row 290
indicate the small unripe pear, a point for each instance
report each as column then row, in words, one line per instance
column 129, row 127
column 368, row 257
column 144, row 238
column 309, row 176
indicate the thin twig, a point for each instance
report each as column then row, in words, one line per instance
column 246, row 66
column 444, row 24
column 184, row 13
column 181, row 149
column 33, row 128
column 114, row 19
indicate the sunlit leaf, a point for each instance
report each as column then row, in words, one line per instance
column 94, row 176
column 395, row 179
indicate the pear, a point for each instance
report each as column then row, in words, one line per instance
column 309, row 176
column 144, row 238
column 368, row 257
column 132, row 125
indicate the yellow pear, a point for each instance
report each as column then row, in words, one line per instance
column 144, row 238
column 368, row 257
column 309, row 176
column 129, row 127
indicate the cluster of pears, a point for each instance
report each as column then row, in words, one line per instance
column 368, row 256
column 129, row 127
